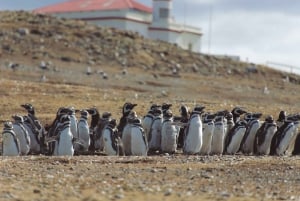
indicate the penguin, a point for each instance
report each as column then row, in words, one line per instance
column 111, row 141
column 21, row 134
column 155, row 132
column 95, row 117
column 235, row 137
column 184, row 118
column 169, row 134
column 10, row 142
column 83, row 133
column 264, row 135
column 253, row 124
column 218, row 138
column 98, row 131
column 64, row 138
column 148, row 119
column 35, row 130
column 296, row 150
column 127, row 108
column 126, row 134
column 229, row 123
column 193, row 136
column 139, row 143
column 284, row 125
column 208, row 131
column 287, row 136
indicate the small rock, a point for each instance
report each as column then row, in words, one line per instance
column 168, row 192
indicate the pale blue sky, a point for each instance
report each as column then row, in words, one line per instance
column 256, row 30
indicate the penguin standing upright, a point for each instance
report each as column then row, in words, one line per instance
column 253, row 124
column 148, row 120
column 111, row 141
column 83, row 133
column 95, row 117
column 139, row 143
column 208, row 131
column 193, row 137
column 169, row 134
column 64, row 138
column 126, row 134
column 74, row 122
column 98, row 131
column 218, row 138
column 21, row 134
column 10, row 142
column 184, row 118
column 263, row 137
column 235, row 137
column 286, row 136
column 126, row 109
column 155, row 132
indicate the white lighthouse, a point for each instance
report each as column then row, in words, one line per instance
column 162, row 10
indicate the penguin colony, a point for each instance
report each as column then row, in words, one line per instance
column 158, row 132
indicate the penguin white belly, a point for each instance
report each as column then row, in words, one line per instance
column 34, row 144
column 138, row 144
column 155, row 141
column 65, row 145
column 126, row 139
column 107, row 142
column 285, row 141
column 217, row 142
column 169, row 135
column 10, row 148
column 249, row 141
column 236, row 140
column 193, row 140
column 146, row 123
column 23, row 138
column 84, row 137
column 73, row 126
column 264, row 148
column 208, row 130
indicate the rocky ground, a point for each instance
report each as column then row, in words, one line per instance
column 53, row 62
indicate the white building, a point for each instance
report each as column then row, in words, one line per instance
column 156, row 23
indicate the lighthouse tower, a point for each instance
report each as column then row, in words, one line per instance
column 162, row 10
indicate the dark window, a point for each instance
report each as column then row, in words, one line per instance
column 164, row 13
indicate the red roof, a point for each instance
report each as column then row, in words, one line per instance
column 93, row 5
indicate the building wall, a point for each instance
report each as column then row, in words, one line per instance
column 187, row 37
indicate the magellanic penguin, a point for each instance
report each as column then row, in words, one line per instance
column 127, row 132
column 139, row 143
column 229, row 123
column 184, row 118
column 218, row 138
column 113, row 145
column 287, row 136
column 64, row 138
column 148, row 120
column 235, row 137
column 10, row 142
column 21, row 134
column 253, row 124
column 263, row 137
column 126, row 109
column 102, row 123
column 208, row 131
column 35, row 130
column 169, row 134
column 155, row 132
column 193, row 137
column 83, row 134
column 95, row 117
column 74, row 122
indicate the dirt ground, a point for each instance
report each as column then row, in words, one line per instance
column 162, row 177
